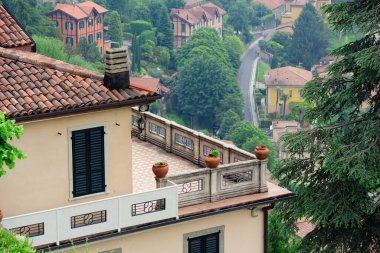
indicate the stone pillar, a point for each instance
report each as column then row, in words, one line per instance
column 197, row 150
column 161, row 182
column 263, row 164
column 214, row 185
column 169, row 136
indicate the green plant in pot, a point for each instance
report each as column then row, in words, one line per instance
column 160, row 169
column 212, row 160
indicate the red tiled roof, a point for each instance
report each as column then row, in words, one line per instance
column 303, row 228
column 11, row 32
column 81, row 10
column 148, row 83
column 35, row 86
column 196, row 14
column 271, row 4
column 288, row 76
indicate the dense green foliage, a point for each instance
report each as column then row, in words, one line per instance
column 206, row 75
column 246, row 136
column 89, row 51
column 338, row 183
column 235, row 49
column 9, row 243
column 32, row 16
column 9, row 153
column 114, row 29
column 281, row 239
column 277, row 46
column 310, row 39
column 261, row 71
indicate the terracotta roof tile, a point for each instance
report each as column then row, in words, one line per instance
column 81, row 10
column 196, row 14
column 303, row 228
column 11, row 32
column 287, row 76
column 32, row 85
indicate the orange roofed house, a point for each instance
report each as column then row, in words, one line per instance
column 12, row 34
column 186, row 21
column 83, row 21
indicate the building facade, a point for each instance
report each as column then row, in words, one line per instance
column 186, row 21
column 286, row 80
column 82, row 21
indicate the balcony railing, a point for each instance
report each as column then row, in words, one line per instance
column 227, row 181
column 113, row 214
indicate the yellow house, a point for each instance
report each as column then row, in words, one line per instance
column 86, row 181
column 287, row 81
column 293, row 9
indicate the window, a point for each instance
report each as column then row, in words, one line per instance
column 81, row 24
column 184, row 141
column 90, row 22
column 56, row 23
column 205, row 241
column 157, row 130
column 69, row 41
column 90, row 38
column 99, row 20
column 88, row 161
column 99, row 35
column 183, row 27
column 290, row 93
column 69, row 25
column 301, row 93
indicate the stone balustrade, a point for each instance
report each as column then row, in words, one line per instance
column 183, row 141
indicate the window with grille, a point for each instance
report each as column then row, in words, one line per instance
column 204, row 244
column 88, row 161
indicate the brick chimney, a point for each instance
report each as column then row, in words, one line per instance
column 116, row 74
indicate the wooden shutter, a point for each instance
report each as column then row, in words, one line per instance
column 204, row 244
column 88, row 161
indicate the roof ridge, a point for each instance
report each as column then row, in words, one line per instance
column 42, row 60
column 298, row 69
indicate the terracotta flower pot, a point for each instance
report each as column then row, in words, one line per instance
column 160, row 171
column 261, row 152
column 1, row 216
column 212, row 162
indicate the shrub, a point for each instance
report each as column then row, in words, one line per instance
column 10, row 243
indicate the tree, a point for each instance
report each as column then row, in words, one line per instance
column 89, row 51
column 230, row 118
column 8, row 152
column 115, row 29
column 284, row 97
column 179, row 4
column 238, row 17
column 309, row 41
column 338, row 182
column 247, row 136
column 165, row 35
column 51, row 47
column 235, row 49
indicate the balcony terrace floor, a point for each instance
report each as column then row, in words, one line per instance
column 145, row 154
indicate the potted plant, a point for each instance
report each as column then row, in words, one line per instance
column 212, row 160
column 261, row 152
column 160, row 169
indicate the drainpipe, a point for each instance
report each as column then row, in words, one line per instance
column 266, row 230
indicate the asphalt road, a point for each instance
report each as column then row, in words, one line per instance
column 247, row 78
column 244, row 77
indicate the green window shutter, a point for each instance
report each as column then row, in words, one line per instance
column 88, row 161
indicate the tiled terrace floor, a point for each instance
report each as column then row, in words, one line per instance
column 144, row 154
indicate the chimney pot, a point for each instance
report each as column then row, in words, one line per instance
column 116, row 74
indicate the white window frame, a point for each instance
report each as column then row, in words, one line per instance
column 69, row 135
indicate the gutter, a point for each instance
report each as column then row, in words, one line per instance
column 78, row 110
column 168, row 222
column 266, row 226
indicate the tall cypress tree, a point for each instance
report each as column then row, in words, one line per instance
column 115, row 31
column 338, row 182
column 309, row 41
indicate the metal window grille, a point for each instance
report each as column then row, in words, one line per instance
column 30, row 230
column 88, row 219
column 236, row 178
column 192, row 186
column 148, row 207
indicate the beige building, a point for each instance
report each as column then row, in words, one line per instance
column 285, row 81
column 277, row 6
column 87, row 176
column 186, row 21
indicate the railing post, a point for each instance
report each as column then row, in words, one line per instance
column 161, row 182
column 262, row 178
column 169, row 137
column 213, row 185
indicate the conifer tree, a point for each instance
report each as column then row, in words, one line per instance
column 338, row 181
column 115, row 31
column 309, row 41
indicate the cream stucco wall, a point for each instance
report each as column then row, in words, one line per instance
column 42, row 181
column 242, row 233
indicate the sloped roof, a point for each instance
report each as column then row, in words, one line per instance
column 288, row 76
column 196, row 14
column 148, row 84
column 270, row 4
column 34, row 86
column 81, row 10
column 12, row 33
